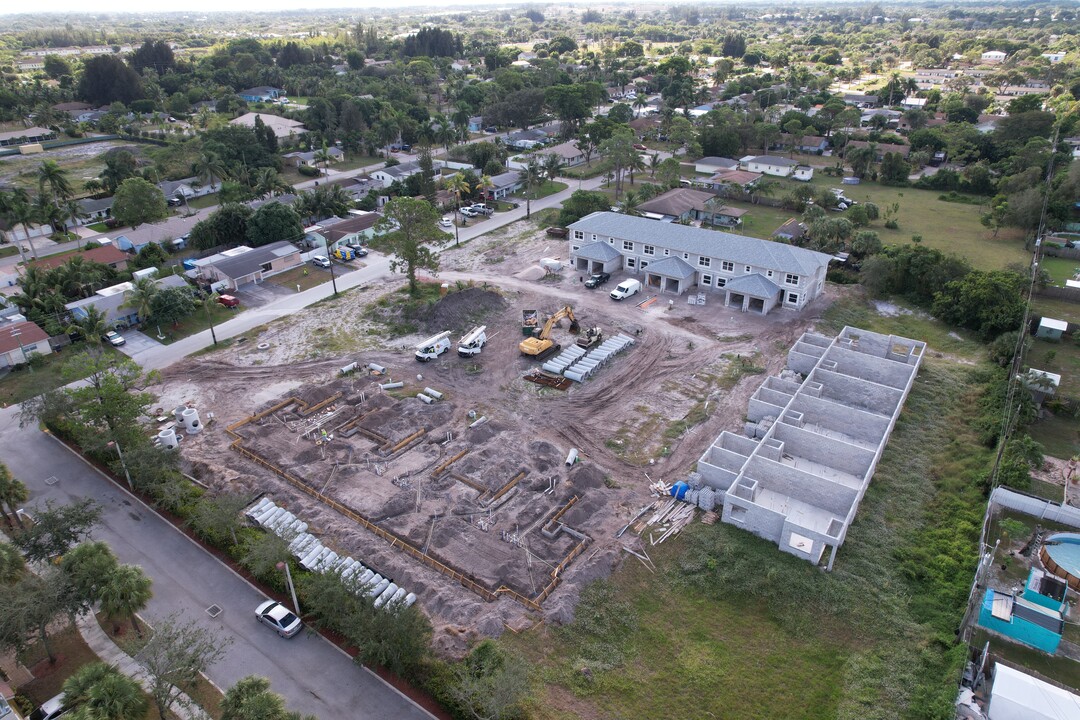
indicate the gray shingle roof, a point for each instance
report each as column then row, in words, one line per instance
column 249, row 262
column 756, row 285
column 774, row 160
column 711, row 243
column 598, row 251
column 671, row 267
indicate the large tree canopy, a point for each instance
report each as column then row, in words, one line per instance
column 107, row 79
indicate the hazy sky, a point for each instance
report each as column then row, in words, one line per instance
column 186, row 6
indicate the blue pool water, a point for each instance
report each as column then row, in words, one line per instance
column 1064, row 549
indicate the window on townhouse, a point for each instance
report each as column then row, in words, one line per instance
column 644, row 264
column 704, row 261
column 575, row 248
column 579, row 235
column 706, row 280
column 792, row 298
column 721, row 282
column 594, row 237
column 628, row 245
column 649, row 250
column 686, row 256
column 727, row 266
column 746, row 268
column 791, row 279
column 666, row 251
column 768, row 273
column 630, row 262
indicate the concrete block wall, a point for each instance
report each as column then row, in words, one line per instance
column 836, row 423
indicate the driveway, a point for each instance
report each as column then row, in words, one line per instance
column 313, row 675
column 259, row 294
column 137, row 343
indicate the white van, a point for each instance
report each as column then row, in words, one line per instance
column 433, row 347
column 625, row 289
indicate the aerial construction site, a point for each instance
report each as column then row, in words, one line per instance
column 483, row 478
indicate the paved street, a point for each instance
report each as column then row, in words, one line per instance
column 313, row 675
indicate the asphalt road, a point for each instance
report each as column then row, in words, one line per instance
column 313, row 675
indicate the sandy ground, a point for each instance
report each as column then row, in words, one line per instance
column 684, row 355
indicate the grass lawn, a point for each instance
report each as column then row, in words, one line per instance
column 22, row 384
column 594, row 167
column 193, row 323
column 98, row 227
column 550, row 187
column 355, row 162
column 947, row 226
column 8, row 250
column 1061, row 269
column 1059, row 436
column 205, row 201
column 1061, row 357
column 306, row 277
column 732, row 627
column 1058, row 309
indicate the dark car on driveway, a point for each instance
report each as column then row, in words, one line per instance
column 597, row 279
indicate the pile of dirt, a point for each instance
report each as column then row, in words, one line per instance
column 460, row 310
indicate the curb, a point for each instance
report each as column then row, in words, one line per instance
column 139, row 500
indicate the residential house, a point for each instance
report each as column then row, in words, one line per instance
column 712, row 165
column 1054, row 57
column 241, row 265
column 20, row 340
column 187, row 188
column 793, row 231
column 388, row 175
column 743, row 179
column 751, row 274
column 891, row 117
column 913, row 102
column 282, row 127
column 505, row 184
column 112, row 301
column 526, row 139
column 1033, row 617
column 74, row 109
column 357, row 187
column 26, row 136
column 993, row 56
column 645, row 127
column 569, row 153
column 861, row 100
column 687, row 205
column 934, row 76
column 769, row 165
column 263, row 93
column 476, row 124
column 358, row 228
column 310, row 159
column 882, row 148
column 807, row 143
column 94, row 210
column 105, row 254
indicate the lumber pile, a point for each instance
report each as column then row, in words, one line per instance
column 668, row 519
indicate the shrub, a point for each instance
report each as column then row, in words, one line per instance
column 309, row 171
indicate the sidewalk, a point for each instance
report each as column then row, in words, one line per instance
column 110, row 653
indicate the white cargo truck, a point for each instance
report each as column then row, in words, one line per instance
column 433, row 347
column 472, row 342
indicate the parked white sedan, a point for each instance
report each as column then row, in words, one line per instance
column 446, row 223
column 275, row 615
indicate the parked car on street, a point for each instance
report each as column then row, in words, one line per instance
column 469, row 212
column 228, row 301
column 446, row 223
column 482, row 209
column 639, row 147
column 278, row 617
column 115, row 339
column 358, row 249
column 320, row 261
column 597, row 279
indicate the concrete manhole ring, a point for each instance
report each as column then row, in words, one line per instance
column 263, row 346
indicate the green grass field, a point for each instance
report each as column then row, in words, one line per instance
column 1061, row 269
column 732, row 627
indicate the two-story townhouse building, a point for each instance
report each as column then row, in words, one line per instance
column 751, row 274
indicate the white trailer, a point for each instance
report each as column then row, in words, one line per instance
column 473, row 342
column 433, row 347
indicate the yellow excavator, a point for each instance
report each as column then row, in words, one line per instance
column 541, row 345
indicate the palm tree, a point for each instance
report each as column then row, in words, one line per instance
column 209, row 303
column 101, row 692
column 22, row 211
column 142, row 295
column 458, row 185
column 654, row 164
column 631, row 199
column 552, row 166
column 533, row 177
column 640, row 102
column 91, row 326
column 119, row 166
column 322, row 155
column 763, row 187
column 209, row 168
column 71, row 210
column 126, row 592
column 12, row 494
column 269, row 181
column 54, row 177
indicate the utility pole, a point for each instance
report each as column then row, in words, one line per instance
column 113, row 443
column 17, row 334
column 292, row 589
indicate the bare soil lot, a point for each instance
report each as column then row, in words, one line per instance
column 494, row 502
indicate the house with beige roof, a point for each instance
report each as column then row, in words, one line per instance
column 282, row 127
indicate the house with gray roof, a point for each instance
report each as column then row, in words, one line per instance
column 388, row 175
column 112, row 302
column 504, row 184
column 241, row 265
column 751, row 274
column 92, row 210
column 186, row 188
